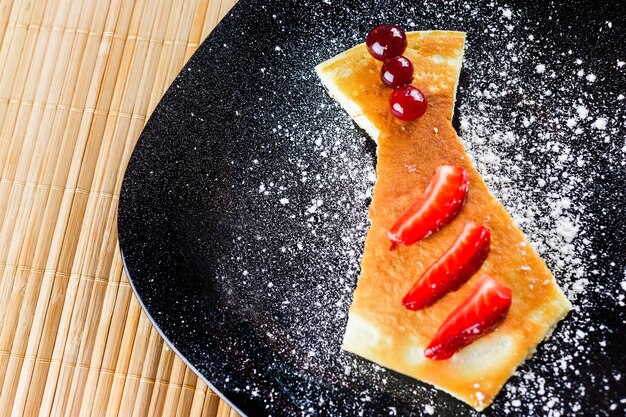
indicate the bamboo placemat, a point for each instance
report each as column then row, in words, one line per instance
column 78, row 80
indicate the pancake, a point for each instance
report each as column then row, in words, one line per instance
column 379, row 328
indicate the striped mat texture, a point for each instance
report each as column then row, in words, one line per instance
column 78, row 80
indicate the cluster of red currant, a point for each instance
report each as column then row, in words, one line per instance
column 387, row 43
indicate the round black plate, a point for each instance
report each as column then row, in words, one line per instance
column 243, row 211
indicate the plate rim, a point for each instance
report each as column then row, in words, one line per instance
column 182, row 357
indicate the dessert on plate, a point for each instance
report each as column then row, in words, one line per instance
column 450, row 290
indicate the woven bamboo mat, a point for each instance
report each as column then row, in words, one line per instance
column 78, row 80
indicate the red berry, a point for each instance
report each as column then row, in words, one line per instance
column 408, row 103
column 397, row 71
column 480, row 313
column 437, row 206
column 386, row 41
column 462, row 260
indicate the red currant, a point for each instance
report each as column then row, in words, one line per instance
column 397, row 71
column 386, row 41
column 408, row 103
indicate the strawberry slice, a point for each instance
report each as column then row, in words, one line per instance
column 462, row 260
column 481, row 312
column 437, row 206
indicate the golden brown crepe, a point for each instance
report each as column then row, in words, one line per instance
column 379, row 327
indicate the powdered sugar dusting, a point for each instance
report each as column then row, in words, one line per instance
column 552, row 211
column 539, row 121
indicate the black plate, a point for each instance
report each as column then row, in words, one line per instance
column 243, row 212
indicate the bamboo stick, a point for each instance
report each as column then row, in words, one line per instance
column 29, row 116
column 212, row 18
column 138, row 123
column 157, row 400
column 86, row 324
column 36, row 169
column 94, row 212
column 195, row 34
column 135, row 128
column 112, row 216
column 199, row 395
column 15, row 82
column 172, row 394
column 224, row 410
column 13, row 43
column 80, row 395
column 61, row 217
column 177, row 23
column 107, row 403
column 24, row 61
column 19, row 210
column 111, row 346
column 179, row 51
column 8, row 13
column 217, row 10
column 187, row 390
column 101, row 212
column 225, row 6
column 20, row 151
column 120, row 177
column 72, row 207
column 25, row 311
column 88, row 37
column 104, row 354
column 147, row 377
column 129, row 392
column 211, row 404
column 79, row 342
column 125, row 387
column 115, row 258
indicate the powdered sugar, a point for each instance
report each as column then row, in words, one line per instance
column 582, row 111
column 541, row 126
column 559, row 233
column 600, row 123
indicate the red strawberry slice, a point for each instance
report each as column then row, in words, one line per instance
column 437, row 206
column 462, row 260
column 481, row 312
